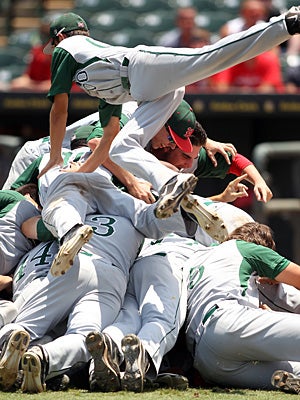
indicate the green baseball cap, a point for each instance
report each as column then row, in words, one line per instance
column 83, row 132
column 63, row 24
column 97, row 132
column 181, row 126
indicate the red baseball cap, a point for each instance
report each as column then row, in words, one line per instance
column 181, row 126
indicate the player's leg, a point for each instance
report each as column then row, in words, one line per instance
column 160, row 287
column 105, row 347
column 128, row 147
column 95, row 309
column 217, row 219
column 248, row 346
column 64, row 211
column 154, row 66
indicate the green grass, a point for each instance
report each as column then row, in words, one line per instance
column 165, row 394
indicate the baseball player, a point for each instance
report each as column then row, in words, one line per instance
column 153, row 312
column 96, row 287
column 82, row 282
column 152, row 76
column 232, row 340
column 15, row 210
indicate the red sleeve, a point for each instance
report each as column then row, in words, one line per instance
column 238, row 164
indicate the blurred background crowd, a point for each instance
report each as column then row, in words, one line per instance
column 176, row 23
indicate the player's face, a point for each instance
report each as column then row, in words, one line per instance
column 162, row 140
column 180, row 159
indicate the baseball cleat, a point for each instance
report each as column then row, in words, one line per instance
column 172, row 193
column 106, row 374
column 286, row 381
column 292, row 19
column 210, row 222
column 136, row 364
column 73, row 241
column 11, row 354
column 34, row 366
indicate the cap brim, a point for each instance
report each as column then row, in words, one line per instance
column 48, row 49
column 184, row 144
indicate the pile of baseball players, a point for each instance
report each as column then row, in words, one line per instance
column 109, row 256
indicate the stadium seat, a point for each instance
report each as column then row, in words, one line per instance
column 24, row 39
column 142, row 6
column 10, row 56
column 212, row 20
column 112, row 20
column 97, row 5
column 156, row 21
column 132, row 37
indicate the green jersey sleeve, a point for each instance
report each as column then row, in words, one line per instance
column 206, row 169
column 29, row 175
column 8, row 199
column 63, row 68
column 266, row 262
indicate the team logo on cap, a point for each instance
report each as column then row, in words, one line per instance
column 189, row 132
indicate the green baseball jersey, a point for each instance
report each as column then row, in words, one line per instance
column 227, row 273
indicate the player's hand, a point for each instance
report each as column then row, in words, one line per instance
column 142, row 190
column 73, row 166
column 53, row 162
column 262, row 192
column 212, row 147
column 235, row 189
column 263, row 280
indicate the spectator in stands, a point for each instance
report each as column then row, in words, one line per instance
column 182, row 34
column 260, row 74
column 37, row 76
column 251, row 12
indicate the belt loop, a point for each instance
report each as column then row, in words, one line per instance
column 209, row 313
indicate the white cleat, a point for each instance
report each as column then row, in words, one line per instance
column 211, row 222
column 172, row 194
column 69, row 249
